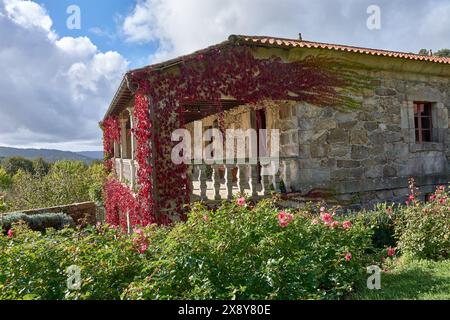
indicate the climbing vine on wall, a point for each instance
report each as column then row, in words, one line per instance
column 231, row 72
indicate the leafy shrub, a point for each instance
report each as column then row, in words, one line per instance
column 38, row 222
column 423, row 229
column 34, row 264
column 253, row 253
column 65, row 183
column 5, row 179
column 15, row 164
column 382, row 221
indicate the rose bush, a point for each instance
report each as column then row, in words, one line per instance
column 423, row 229
column 246, row 252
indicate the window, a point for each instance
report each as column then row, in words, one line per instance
column 423, row 121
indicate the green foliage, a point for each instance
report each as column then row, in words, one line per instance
column 66, row 182
column 5, row 179
column 424, row 52
column 37, row 222
column 242, row 253
column 382, row 221
column 34, row 264
column 234, row 252
column 423, row 229
column 40, row 167
column 411, row 279
column 443, row 53
column 14, row 164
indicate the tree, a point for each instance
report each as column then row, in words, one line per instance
column 14, row 164
column 424, row 52
column 67, row 182
column 40, row 167
column 443, row 53
column 5, row 179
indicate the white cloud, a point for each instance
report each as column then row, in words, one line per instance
column 53, row 91
column 179, row 27
column 29, row 14
column 81, row 47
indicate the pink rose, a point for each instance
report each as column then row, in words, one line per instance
column 139, row 232
column 241, row 202
column 10, row 233
column 315, row 222
column 334, row 224
column 346, row 225
column 348, row 256
column 391, row 252
column 322, row 209
column 327, row 218
column 284, row 219
column 205, row 218
column 143, row 248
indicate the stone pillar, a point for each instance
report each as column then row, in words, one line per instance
column 133, row 137
column 123, row 138
column 133, row 150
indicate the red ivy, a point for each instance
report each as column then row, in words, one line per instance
column 118, row 201
column 232, row 71
column 111, row 134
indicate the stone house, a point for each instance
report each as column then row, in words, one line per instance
column 363, row 156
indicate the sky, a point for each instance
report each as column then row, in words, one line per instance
column 57, row 79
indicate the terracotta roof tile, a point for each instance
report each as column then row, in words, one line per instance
column 290, row 43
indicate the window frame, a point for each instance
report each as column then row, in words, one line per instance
column 419, row 130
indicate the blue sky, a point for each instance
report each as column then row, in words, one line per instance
column 56, row 83
column 100, row 21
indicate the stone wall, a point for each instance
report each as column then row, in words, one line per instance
column 367, row 155
column 81, row 213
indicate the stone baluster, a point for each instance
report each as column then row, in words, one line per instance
column 287, row 175
column 241, row 178
column 229, row 180
column 202, row 181
column 265, row 183
column 121, row 175
column 253, row 181
column 276, row 178
column 216, row 182
column 133, row 175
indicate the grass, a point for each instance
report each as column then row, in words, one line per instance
column 410, row 279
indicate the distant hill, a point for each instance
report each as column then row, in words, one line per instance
column 96, row 155
column 50, row 155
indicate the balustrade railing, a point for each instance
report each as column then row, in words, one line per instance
column 126, row 170
column 256, row 179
